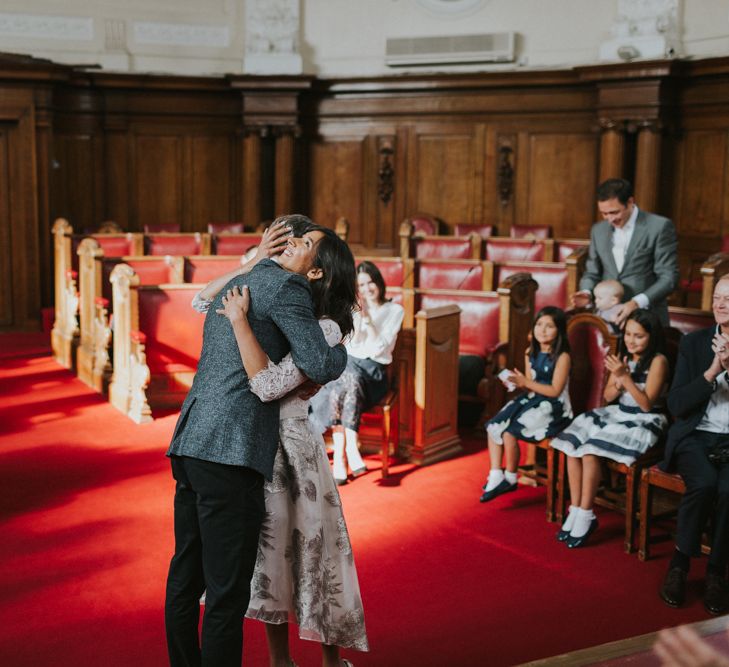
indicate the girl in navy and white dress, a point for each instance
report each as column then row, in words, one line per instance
column 539, row 413
column 621, row 431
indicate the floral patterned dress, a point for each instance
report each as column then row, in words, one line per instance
column 305, row 570
column 531, row 416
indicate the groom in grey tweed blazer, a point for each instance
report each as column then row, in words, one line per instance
column 223, row 446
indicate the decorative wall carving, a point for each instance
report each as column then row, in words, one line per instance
column 272, row 37
column 644, row 29
column 505, row 174
column 386, row 173
column 181, row 34
column 47, row 27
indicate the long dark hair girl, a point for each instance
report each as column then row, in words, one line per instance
column 656, row 342
column 561, row 343
column 374, row 273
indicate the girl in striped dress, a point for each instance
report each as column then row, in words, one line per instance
column 631, row 424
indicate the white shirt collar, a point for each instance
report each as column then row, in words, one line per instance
column 627, row 228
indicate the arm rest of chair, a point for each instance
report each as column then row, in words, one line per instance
column 390, row 399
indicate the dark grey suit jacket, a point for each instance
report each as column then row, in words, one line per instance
column 690, row 392
column 221, row 420
column 651, row 262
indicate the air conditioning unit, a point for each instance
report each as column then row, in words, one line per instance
column 497, row 47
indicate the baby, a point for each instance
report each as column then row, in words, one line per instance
column 608, row 295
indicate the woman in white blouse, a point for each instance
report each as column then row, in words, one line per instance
column 364, row 381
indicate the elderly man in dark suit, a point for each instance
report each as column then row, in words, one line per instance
column 699, row 400
column 224, row 445
column 634, row 247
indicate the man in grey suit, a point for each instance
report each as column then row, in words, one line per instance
column 634, row 247
column 224, row 446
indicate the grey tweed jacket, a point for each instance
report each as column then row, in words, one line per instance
column 651, row 262
column 221, row 420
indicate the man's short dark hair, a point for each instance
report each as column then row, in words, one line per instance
column 615, row 188
column 300, row 224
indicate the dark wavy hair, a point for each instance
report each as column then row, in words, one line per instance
column 374, row 273
column 561, row 343
column 656, row 341
column 300, row 224
column 335, row 294
column 615, row 188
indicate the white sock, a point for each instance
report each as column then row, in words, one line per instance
column 340, row 468
column 510, row 476
column 569, row 522
column 496, row 476
column 352, row 448
column 582, row 522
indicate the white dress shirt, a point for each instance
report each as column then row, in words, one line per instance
column 716, row 416
column 386, row 320
column 621, row 241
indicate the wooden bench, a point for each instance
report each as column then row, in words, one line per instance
column 157, row 343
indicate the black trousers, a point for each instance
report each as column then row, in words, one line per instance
column 707, row 491
column 218, row 514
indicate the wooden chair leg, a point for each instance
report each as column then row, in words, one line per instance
column 646, row 502
column 631, row 496
column 551, row 484
column 561, row 487
column 385, row 442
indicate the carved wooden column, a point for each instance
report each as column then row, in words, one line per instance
column 252, row 213
column 284, row 178
column 647, row 164
column 612, row 149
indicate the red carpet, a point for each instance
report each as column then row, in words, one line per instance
column 86, row 509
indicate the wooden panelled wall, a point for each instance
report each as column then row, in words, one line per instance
column 497, row 148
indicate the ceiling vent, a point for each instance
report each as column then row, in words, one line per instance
column 496, row 47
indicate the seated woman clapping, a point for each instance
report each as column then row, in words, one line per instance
column 621, row 431
column 364, row 382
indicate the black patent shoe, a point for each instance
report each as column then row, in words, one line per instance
column 577, row 542
column 502, row 487
column 673, row 590
column 562, row 535
column 716, row 594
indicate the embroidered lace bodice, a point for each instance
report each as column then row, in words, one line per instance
column 277, row 380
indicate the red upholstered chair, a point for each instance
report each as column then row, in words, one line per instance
column 226, row 227
column 456, row 274
column 423, row 224
column 551, row 277
column 565, row 247
column 530, row 232
column 177, row 244
column 201, row 269
column 234, row 244
column 396, row 271
column 687, row 320
column 447, row 247
column 484, row 231
column 162, row 228
column 499, row 249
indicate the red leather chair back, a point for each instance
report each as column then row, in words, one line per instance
column 202, row 270
column 162, row 228
column 565, row 247
column 459, row 275
column 113, row 245
column 479, row 330
column 551, row 278
column 425, row 225
column 234, row 244
column 173, row 329
column 172, row 244
column 484, row 231
column 589, row 337
column 446, row 247
column 530, row 232
column 151, row 271
column 514, row 250
column 687, row 320
column 226, row 227
column 391, row 268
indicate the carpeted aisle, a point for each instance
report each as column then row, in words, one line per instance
column 86, row 535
